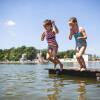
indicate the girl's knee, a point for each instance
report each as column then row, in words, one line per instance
column 54, row 58
column 78, row 56
column 47, row 57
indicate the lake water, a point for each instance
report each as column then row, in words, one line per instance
column 32, row 82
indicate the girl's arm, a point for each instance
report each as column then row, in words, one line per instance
column 43, row 36
column 55, row 27
column 82, row 31
column 70, row 34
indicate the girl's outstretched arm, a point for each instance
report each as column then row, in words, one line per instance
column 55, row 27
column 43, row 36
column 70, row 34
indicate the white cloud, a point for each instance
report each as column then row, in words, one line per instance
column 11, row 23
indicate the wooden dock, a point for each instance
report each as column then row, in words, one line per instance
column 74, row 71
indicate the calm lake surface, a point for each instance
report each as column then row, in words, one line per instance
column 32, row 82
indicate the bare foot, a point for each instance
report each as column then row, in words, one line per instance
column 83, row 69
column 80, row 68
column 61, row 67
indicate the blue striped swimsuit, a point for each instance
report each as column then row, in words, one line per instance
column 79, row 43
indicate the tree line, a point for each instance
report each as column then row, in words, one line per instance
column 14, row 54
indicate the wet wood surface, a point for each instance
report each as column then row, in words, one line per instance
column 74, row 71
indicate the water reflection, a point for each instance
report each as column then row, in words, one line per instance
column 82, row 91
column 63, row 87
column 56, row 89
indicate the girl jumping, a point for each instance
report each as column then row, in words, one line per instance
column 50, row 31
column 80, row 38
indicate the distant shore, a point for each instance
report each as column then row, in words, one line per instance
column 36, row 62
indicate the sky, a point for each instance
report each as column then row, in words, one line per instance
column 21, row 22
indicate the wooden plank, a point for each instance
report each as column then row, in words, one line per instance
column 90, row 72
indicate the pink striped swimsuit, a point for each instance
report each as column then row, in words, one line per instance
column 51, row 39
column 52, row 43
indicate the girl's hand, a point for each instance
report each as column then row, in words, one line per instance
column 71, row 30
column 79, row 38
column 71, row 25
column 53, row 22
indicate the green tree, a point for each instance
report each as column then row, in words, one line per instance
column 31, row 53
column 44, row 51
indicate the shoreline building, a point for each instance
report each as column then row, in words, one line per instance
column 40, row 58
column 23, row 58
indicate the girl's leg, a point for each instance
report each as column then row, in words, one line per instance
column 79, row 61
column 79, row 56
column 57, row 61
column 81, row 52
column 55, row 66
column 48, row 56
column 83, row 62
